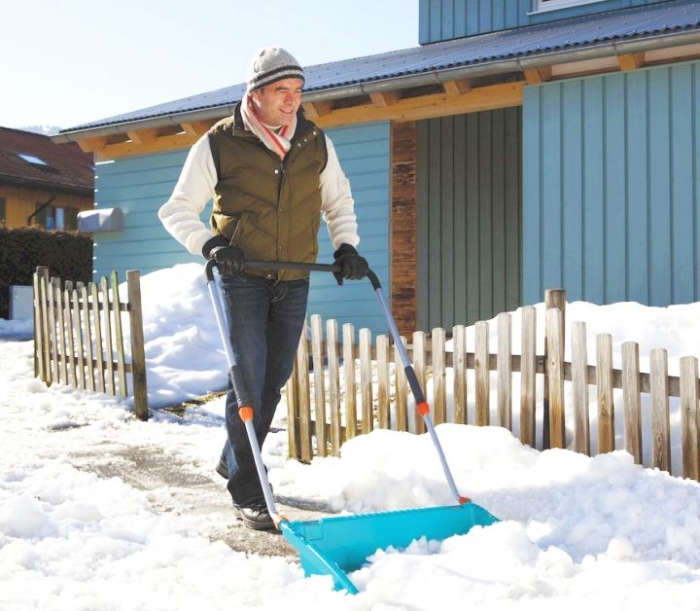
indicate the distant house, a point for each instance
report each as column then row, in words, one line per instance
column 523, row 145
column 43, row 183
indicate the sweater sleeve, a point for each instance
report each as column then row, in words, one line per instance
column 180, row 215
column 338, row 207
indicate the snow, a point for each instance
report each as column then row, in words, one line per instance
column 574, row 531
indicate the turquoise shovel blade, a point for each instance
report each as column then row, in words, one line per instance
column 341, row 544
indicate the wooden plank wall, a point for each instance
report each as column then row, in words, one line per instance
column 469, row 199
column 21, row 203
column 448, row 19
column 611, row 192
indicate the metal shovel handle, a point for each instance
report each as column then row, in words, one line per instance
column 421, row 402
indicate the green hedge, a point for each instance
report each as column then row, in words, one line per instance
column 68, row 255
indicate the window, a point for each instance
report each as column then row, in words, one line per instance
column 57, row 217
column 551, row 5
column 32, row 159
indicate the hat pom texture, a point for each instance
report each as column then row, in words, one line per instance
column 272, row 64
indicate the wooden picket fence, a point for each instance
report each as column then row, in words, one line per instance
column 329, row 403
column 79, row 336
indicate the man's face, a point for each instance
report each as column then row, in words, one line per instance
column 277, row 104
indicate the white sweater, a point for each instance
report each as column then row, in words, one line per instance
column 195, row 188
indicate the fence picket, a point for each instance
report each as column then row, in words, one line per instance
column 528, row 369
column 366, row 380
column 660, row 422
column 350, row 385
column 579, row 380
column 439, row 392
column 690, row 394
column 334, row 386
column 420, row 367
column 401, row 385
column 632, row 399
column 482, row 374
column 604, row 381
column 383, row 383
column 459, row 371
column 505, row 372
column 319, row 383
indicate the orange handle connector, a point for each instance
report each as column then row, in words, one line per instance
column 246, row 413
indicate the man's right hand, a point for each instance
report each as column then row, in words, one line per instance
column 229, row 260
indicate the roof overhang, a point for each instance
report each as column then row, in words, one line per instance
column 411, row 96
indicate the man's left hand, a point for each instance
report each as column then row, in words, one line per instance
column 352, row 265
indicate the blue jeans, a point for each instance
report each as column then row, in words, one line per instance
column 265, row 321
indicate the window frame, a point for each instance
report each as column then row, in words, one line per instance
column 545, row 6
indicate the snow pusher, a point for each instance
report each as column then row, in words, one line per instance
column 338, row 545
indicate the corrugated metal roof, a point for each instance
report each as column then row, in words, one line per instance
column 637, row 23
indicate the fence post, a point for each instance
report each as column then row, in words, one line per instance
column 553, row 298
column 138, row 354
column 555, row 377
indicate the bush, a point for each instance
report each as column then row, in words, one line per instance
column 68, row 255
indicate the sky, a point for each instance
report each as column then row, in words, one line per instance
column 79, row 61
column 76, row 532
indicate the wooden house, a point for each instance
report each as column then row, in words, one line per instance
column 42, row 183
column 522, row 145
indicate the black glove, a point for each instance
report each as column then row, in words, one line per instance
column 352, row 265
column 229, row 260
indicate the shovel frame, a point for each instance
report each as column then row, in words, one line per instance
column 339, row 544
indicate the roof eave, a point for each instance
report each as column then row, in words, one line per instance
column 439, row 76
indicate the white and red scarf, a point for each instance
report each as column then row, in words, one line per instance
column 277, row 141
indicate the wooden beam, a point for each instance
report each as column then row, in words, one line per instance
column 490, row 97
column 196, row 128
column 631, row 61
column 536, row 76
column 456, row 88
column 314, row 110
column 142, row 136
column 383, row 99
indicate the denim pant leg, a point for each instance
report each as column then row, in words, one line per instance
column 265, row 321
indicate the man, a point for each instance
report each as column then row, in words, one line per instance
column 271, row 175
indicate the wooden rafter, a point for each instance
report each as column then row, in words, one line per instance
column 317, row 109
column 196, row 128
column 535, row 76
column 631, row 61
column 458, row 87
column 384, row 99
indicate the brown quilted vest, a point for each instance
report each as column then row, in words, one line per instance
column 269, row 208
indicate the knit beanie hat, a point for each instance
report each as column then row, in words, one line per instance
column 272, row 64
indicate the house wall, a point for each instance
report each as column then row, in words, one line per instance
column 447, row 19
column 21, row 203
column 469, row 227
column 611, row 190
column 139, row 185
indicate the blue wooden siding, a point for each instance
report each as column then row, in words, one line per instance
column 611, row 187
column 441, row 20
column 469, row 194
column 139, row 186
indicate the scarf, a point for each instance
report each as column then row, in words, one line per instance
column 279, row 142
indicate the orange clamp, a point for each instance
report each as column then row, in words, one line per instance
column 246, row 413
